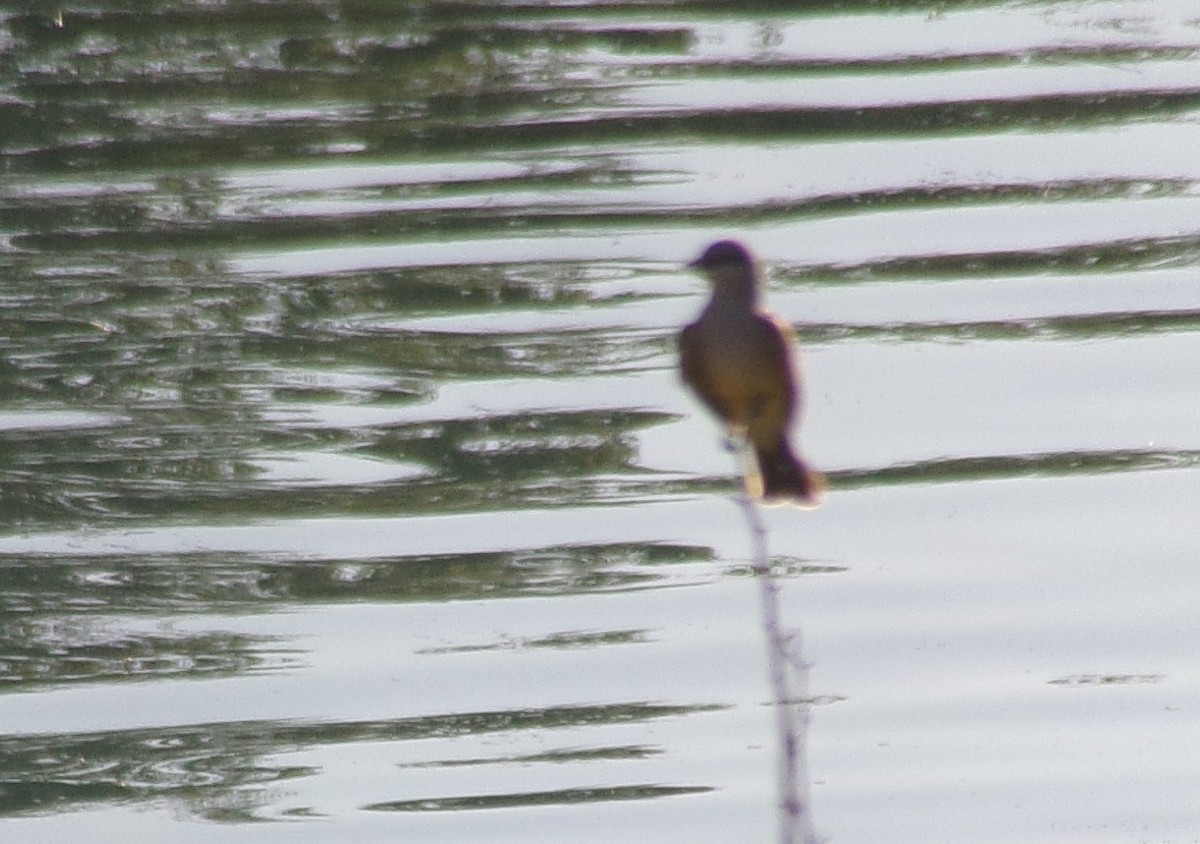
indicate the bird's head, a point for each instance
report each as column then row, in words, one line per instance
column 730, row 269
column 723, row 253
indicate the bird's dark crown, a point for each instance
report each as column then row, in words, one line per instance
column 723, row 253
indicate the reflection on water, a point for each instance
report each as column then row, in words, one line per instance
column 199, row 761
column 224, row 582
column 319, row 312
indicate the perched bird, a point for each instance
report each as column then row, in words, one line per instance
column 740, row 360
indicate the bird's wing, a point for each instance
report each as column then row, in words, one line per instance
column 691, row 362
column 777, row 344
column 695, row 367
column 781, row 364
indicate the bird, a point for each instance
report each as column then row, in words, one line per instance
column 741, row 361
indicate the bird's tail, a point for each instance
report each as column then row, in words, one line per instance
column 783, row 477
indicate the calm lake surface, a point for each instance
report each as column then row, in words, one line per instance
column 348, row 491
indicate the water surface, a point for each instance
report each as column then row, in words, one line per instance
column 347, row 486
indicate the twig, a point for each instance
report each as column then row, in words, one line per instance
column 789, row 687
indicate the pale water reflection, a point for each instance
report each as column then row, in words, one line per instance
column 347, row 484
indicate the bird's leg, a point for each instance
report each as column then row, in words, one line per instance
column 737, row 442
column 734, row 441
